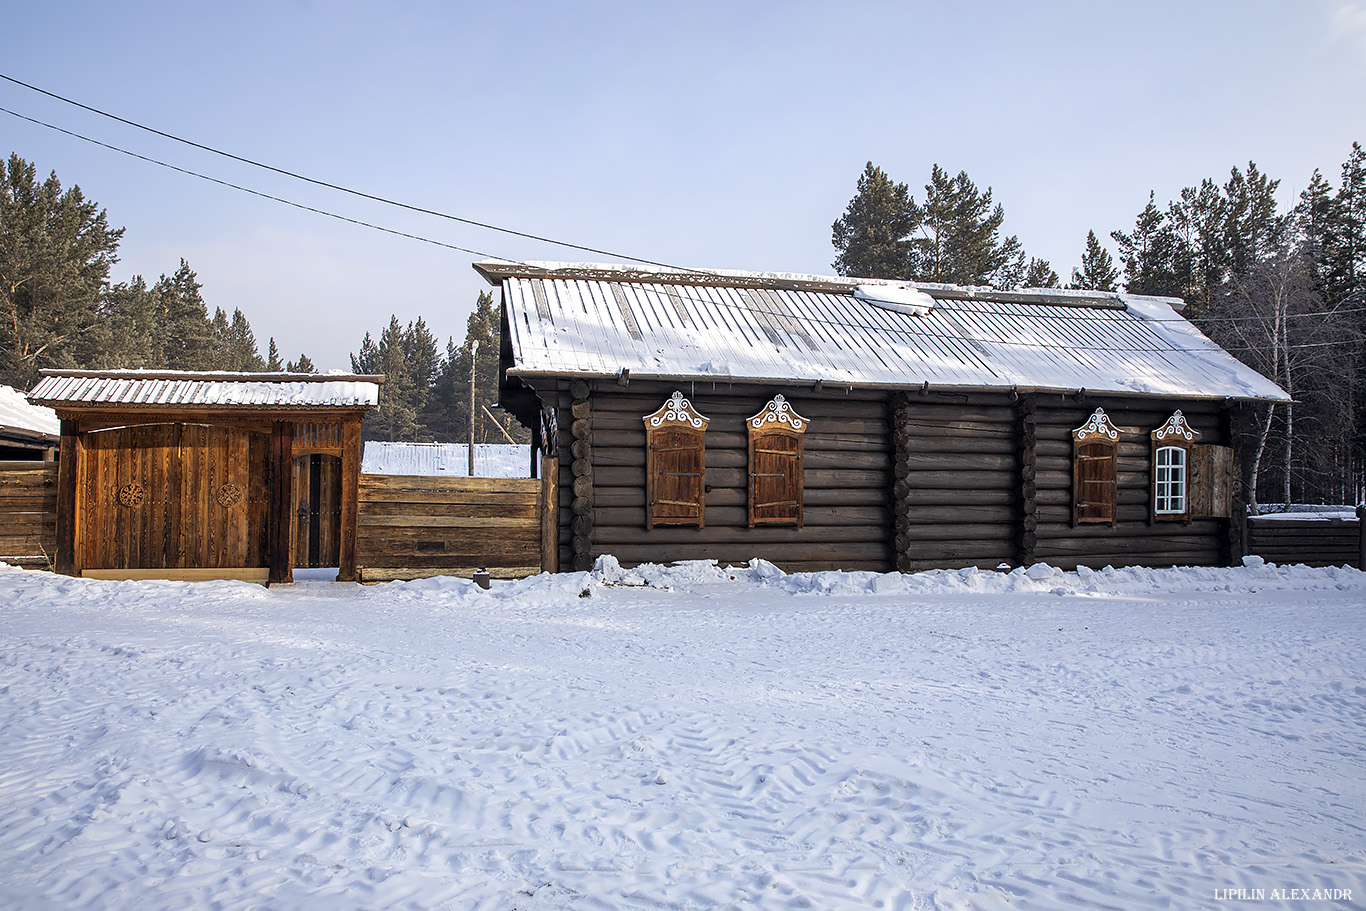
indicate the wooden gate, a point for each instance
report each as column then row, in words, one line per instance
column 174, row 496
column 317, row 510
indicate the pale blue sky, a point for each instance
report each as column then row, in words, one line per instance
column 704, row 134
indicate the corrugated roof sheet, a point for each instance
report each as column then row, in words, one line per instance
column 972, row 337
column 19, row 417
column 133, row 388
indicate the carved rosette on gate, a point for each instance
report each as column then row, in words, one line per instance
column 131, row 495
column 230, row 495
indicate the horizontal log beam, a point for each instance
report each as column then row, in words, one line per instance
column 441, row 521
column 422, row 482
column 763, row 534
column 621, row 476
column 525, row 511
column 371, row 574
column 737, row 516
column 737, row 496
column 831, row 555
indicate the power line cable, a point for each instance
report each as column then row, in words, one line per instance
column 233, row 186
column 425, row 211
column 337, row 187
column 421, row 210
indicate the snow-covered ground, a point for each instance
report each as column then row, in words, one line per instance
column 687, row 738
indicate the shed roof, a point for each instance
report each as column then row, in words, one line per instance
column 21, row 420
column 198, row 390
column 596, row 320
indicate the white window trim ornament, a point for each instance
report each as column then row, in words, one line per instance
column 1098, row 425
column 778, row 411
column 677, row 410
column 1176, row 426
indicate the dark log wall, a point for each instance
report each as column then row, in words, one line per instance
column 957, row 480
column 847, row 473
column 894, row 480
column 1134, row 539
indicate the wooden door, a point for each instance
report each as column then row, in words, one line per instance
column 317, row 510
column 174, row 496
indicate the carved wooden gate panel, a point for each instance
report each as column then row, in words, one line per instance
column 175, row 496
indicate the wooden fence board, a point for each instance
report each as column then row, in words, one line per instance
column 28, row 513
column 413, row 527
column 1312, row 542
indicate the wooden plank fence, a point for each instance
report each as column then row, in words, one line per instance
column 28, row 513
column 410, row 527
column 1314, row 542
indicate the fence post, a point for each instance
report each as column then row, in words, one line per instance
column 1361, row 536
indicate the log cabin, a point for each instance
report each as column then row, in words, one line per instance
column 206, row 475
column 839, row 423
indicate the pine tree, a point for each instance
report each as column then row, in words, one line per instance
column 1149, row 254
column 1040, row 274
column 187, row 338
column 126, row 333
column 1097, row 272
column 1345, row 244
column 303, row 365
column 273, row 362
column 56, row 249
column 959, row 236
column 396, row 418
column 236, row 343
column 872, row 236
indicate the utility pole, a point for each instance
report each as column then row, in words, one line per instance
column 474, row 351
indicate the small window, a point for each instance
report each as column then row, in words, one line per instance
column 1169, row 481
column 675, row 464
column 1095, row 470
column 1172, row 445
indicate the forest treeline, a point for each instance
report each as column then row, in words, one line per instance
column 58, row 309
column 1283, row 290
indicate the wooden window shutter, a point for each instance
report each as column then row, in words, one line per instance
column 1211, row 482
column 1095, row 470
column 675, row 464
column 776, row 485
column 1171, row 469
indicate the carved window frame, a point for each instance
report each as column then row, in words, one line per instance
column 1173, row 446
column 777, row 486
column 1095, row 470
column 675, row 464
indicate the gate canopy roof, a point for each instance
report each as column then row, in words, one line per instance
column 566, row 319
column 209, row 392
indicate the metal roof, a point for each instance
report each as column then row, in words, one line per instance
column 203, row 390
column 753, row 327
column 20, row 419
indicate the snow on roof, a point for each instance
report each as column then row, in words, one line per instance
column 586, row 320
column 19, row 417
column 204, row 389
column 491, row 460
